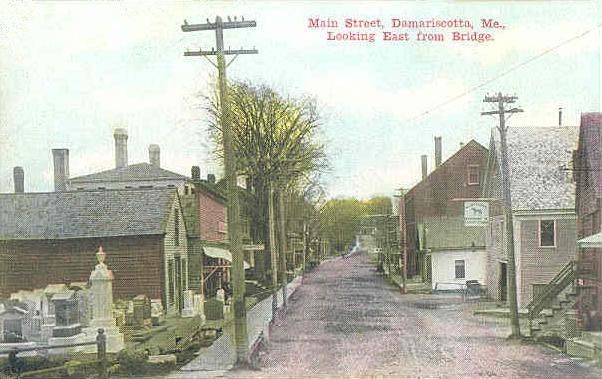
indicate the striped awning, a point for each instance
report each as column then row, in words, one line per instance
column 218, row 252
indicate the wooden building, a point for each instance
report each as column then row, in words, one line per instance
column 48, row 238
column 436, row 198
column 543, row 209
column 588, row 175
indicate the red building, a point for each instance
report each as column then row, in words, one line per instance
column 459, row 177
column 588, row 175
column 52, row 238
column 205, row 212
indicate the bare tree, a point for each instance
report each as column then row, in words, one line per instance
column 278, row 149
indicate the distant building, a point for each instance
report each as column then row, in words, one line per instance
column 48, row 238
column 124, row 175
column 543, row 208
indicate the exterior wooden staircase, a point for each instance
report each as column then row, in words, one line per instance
column 551, row 312
column 553, row 318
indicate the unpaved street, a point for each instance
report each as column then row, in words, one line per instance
column 345, row 321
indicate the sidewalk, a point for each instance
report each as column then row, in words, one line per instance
column 414, row 286
column 216, row 360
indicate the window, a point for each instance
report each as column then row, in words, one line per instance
column 176, row 237
column 547, row 233
column 460, row 269
column 473, row 174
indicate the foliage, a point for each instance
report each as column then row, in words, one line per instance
column 132, row 361
column 275, row 138
column 277, row 145
column 340, row 219
column 31, row 363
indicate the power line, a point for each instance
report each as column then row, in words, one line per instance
column 504, row 73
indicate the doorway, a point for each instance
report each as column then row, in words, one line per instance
column 178, row 282
column 503, row 283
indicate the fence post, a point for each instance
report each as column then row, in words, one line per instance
column 13, row 362
column 101, row 353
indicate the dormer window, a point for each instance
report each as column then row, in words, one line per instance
column 473, row 175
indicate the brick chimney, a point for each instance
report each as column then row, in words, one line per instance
column 121, row 147
column 424, row 166
column 154, row 155
column 18, row 178
column 437, row 152
column 61, row 169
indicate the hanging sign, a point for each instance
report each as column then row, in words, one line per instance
column 476, row 213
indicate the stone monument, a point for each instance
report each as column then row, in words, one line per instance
column 157, row 312
column 47, row 306
column 198, row 302
column 189, row 310
column 101, row 289
column 67, row 329
column 15, row 327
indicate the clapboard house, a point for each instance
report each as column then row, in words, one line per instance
column 48, row 238
column 543, row 209
column 205, row 212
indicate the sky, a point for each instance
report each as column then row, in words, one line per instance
column 72, row 72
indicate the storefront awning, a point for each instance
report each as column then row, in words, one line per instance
column 595, row 240
column 217, row 252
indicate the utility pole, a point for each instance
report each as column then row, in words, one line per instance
column 387, row 246
column 305, row 233
column 403, row 256
column 282, row 250
column 501, row 111
column 237, row 269
column 273, row 251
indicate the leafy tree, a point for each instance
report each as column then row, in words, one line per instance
column 278, row 149
column 340, row 219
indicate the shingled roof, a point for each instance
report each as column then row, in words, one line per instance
column 536, row 156
column 138, row 171
column 85, row 214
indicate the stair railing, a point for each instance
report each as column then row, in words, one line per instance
column 564, row 278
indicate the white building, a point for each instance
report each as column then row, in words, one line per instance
column 457, row 252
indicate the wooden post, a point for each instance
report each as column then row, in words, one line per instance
column 12, row 362
column 101, row 353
